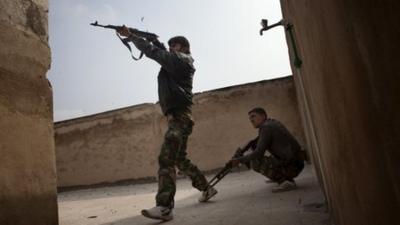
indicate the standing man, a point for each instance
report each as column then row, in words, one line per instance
column 277, row 155
column 175, row 96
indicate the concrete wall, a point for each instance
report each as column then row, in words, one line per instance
column 124, row 144
column 27, row 168
column 349, row 99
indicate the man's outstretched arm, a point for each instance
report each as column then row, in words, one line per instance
column 167, row 60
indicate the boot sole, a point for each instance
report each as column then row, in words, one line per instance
column 146, row 214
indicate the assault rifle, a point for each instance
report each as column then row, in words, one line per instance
column 228, row 166
column 147, row 35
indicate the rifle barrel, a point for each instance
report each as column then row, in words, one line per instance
column 132, row 30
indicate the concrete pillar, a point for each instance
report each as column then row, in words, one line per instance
column 348, row 84
column 27, row 168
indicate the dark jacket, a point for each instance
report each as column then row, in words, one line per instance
column 175, row 78
column 275, row 138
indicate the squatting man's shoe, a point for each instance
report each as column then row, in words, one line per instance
column 284, row 186
column 207, row 194
column 158, row 213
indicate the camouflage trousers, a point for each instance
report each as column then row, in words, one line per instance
column 272, row 168
column 173, row 154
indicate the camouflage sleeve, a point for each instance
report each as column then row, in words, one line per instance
column 167, row 60
column 264, row 139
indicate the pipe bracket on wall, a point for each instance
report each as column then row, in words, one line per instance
column 288, row 28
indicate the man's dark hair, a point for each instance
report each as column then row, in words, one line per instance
column 259, row 110
column 180, row 40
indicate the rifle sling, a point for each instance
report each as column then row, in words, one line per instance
column 125, row 42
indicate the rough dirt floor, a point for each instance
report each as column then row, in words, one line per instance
column 244, row 198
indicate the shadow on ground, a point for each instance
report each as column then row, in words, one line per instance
column 243, row 198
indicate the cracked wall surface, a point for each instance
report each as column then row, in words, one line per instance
column 28, row 173
column 124, row 144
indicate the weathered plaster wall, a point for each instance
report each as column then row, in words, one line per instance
column 124, row 144
column 108, row 147
column 27, row 168
column 349, row 99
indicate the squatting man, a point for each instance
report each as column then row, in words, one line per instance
column 275, row 152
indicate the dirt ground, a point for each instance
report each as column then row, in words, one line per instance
column 243, row 198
